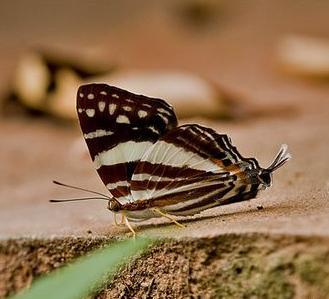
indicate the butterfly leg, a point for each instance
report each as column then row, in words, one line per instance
column 115, row 219
column 168, row 217
column 128, row 225
column 122, row 219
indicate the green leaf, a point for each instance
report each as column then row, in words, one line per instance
column 86, row 274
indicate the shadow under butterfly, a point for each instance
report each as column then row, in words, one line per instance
column 154, row 168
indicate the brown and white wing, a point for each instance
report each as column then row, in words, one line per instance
column 118, row 127
column 189, row 169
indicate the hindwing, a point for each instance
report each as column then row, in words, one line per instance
column 191, row 168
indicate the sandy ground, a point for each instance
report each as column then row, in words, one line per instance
column 296, row 204
column 295, row 111
column 238, row 52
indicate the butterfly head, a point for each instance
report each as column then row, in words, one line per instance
column 114, row 205
column 265, row 177
column 265, row 174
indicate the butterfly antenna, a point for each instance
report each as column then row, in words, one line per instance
column 79, row 188
column 281, row 158
column 76, row 199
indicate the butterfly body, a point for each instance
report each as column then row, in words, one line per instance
column 153, row 167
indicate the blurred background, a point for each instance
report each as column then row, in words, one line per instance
column 233, row 65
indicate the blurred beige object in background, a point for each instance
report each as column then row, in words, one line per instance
column 305, row 56
column 190, row 94
column 47, row 82
column 30, row 80
column 62, row 101
column 50, row 85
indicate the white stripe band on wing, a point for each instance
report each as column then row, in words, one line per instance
column 111, row 186
column 155, row 178
column 186, row 203
column 122, row 153
column 170, row 189
column 177, row 156
column 172, row 208
column 97, row 133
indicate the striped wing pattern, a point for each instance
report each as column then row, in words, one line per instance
column 119, row 127
column 147, row 162
column 192, row 168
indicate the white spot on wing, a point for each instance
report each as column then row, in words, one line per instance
column 101, row 106
column 127, row 108
column 114, row 95
column 90, row 112
column 81, row 95
column 129, row 100
column 154, row 130
column 122, row 119
column 97, row 133
column 161, row 110
column 80, row 110
column 142, row 113
column 90, row 96
column 112, row 108
column 103, row 93
column 147, row 105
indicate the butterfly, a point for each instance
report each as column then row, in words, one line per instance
column 152, row 167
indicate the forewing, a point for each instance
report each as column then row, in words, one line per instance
column 189, row 167
column 118, row 127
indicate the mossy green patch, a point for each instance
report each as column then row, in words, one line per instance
column 314, row 271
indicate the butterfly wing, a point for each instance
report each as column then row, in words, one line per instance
column 118, row 127
column 192, row 168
